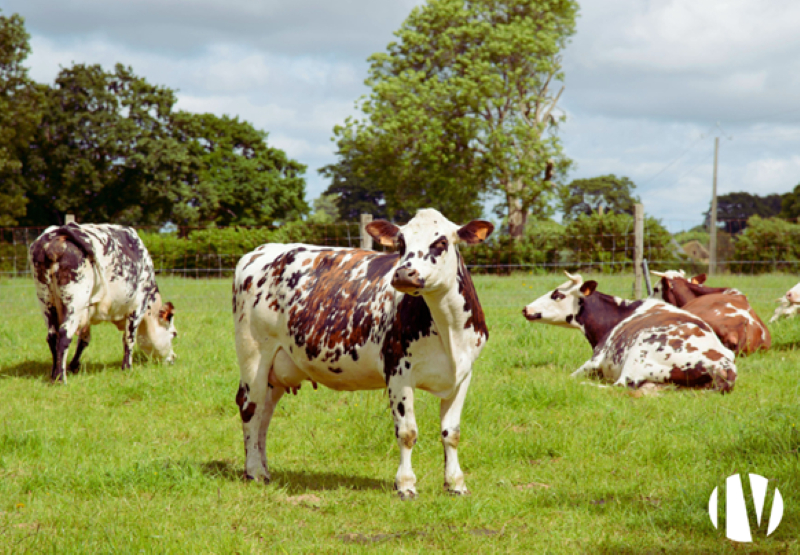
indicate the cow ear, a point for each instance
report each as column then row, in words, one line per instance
column 475, row 232
column 167, row 312
column 383, row 232
column 699, row 280
column 588, row 287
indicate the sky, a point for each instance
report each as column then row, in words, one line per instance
column 648, row 84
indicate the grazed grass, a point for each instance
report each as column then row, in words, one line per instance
column 151, row 459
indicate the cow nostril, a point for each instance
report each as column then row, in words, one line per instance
column 412, row 273
column 174, row 334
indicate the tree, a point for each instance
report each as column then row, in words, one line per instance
column 325, row 210
column 790, row 204
column 586, row 196
column 236, row 178
column 461, row 106
column 104, row 151
column 354, row 194
column 19, row 116
column 734, row 209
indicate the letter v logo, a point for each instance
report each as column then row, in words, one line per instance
column 737, row 524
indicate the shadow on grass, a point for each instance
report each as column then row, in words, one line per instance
column 788, row 346
column 297, row 482
column 39, row 369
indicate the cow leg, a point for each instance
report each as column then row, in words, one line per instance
column 450, row 414
column 589, row 368
column 129, row 338
column 256, row 399
column 65, row 333
column 84, row 336
column 405, row 429
column 52, row 337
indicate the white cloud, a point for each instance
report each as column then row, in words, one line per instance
column 646, row 81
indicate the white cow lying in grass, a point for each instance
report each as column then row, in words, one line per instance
column 637, row 342
column 790, row 304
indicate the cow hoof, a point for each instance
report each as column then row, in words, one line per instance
column 74, row 368
column 460, row 490
column 259, row 477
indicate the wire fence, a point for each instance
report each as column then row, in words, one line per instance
column 214, row 252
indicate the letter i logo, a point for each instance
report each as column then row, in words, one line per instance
column 737, row 525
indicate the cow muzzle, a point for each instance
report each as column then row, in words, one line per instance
column 407, row 280
column 531, row 315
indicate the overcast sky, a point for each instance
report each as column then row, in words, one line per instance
column 649, row 84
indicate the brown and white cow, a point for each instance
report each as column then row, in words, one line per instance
column 726, row 310
column 637, row 342
column 790, row 304
column 87, row 274
column 353, row 319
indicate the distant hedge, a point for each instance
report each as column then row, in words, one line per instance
column 767, row 245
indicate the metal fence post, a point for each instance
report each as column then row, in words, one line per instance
column 366, row 238
column 69, row 218
column 638, row 249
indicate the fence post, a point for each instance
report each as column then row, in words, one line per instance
column 69, row 218
column 638, row 249
column 366, row 238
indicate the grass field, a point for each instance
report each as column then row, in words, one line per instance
column 150, row 460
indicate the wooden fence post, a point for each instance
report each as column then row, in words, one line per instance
column 638, row 249
column 366, row 238
column 69, row 218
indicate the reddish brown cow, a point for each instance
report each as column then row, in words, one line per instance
column 727, row 311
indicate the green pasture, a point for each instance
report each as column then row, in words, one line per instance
column 150, row 460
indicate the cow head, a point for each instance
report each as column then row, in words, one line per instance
column 793, row 295
column 157, row 331
column 427, row 248
column 675, row 289
column 561, row 306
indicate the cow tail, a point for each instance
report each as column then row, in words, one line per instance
column 69, row 231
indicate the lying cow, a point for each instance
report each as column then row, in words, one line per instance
column 726, row 310
column 87, row 274
column 790, row 304
column 353, row 319
column 637, row 342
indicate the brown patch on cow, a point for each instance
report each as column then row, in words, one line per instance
column 410, row 439
column 329, row 308
column 712, row 354
column 248, row 282
column 733, row 329
column 472, row 305
column 691, row 348
column 252, row 259
column 412, row 322
column 599, row 313
column 675, row 344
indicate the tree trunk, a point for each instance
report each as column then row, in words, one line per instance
column 517, row 217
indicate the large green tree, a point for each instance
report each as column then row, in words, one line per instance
column 104, row 151
column 19, row 115
column 734, row 209
column 586, row 196
column 236, row 178
column 462, row 106
column 790, row 204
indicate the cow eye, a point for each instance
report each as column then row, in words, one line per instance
column 439, row 246
column 401, row 245
column 558, row 295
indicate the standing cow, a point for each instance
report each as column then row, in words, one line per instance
column 87, row 274
column 637, row 342
column 353, row 319
column 726, row 310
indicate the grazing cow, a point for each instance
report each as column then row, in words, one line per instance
column 87, row 274
column 727, row 311
column 353, row 319
column 637, row 342
column 790, row 304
